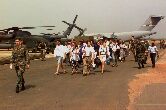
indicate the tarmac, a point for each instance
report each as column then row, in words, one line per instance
column 110, row 91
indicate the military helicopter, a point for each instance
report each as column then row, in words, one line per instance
column 31, row 41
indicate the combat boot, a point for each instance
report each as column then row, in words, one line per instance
column 143, row 66
column 17, row 89
column 22, row 87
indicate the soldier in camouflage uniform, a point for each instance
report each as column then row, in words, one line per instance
column 42, row 46
column 19, row 60
column 133, row 49
column 146, row 52
column 140, row 54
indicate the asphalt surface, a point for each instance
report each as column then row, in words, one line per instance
column 44, row 90
column 153, row 98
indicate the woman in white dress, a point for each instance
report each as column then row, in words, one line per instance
column 103, row 53
column 74, row 59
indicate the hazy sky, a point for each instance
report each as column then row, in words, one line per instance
column 96, row 15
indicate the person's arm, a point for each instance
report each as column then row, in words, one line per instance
column 55, row 52
column 92, row 53
column 12, row 60
column 64, row 55
column 39, row 46
column 99, row 52
column 149, row 49
column 157, row 51
column 107, row 51
column 27, row 58
column 83, row 51
column 45, row 46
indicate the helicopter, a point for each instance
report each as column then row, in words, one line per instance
column 8, row 36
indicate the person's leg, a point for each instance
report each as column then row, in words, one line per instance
column 44, row 54
column 89, row 61
column 58, row 65
column 102, row 67
column 151, row 57
column 139, row 63
column 134, row 54
column 142, row 63
column 62, row 66
column 18, row 79
column 113, row 59
column 145, row 60
column 22, row 82
column 22, row 70
column 76, row 67
column 73, row 66
column 153, row 60
column 84, row 66
column 116, row 60
column 57, row 71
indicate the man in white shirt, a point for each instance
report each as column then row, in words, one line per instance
column 153, row 54
column 115, row 47
column 87, row 54
column 59, row 54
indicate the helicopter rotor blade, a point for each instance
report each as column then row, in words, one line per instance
column 47, row 26
column 75, row 19
column 28, row 28
column 66, row 23
column 49, row 29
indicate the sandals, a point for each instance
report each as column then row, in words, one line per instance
column 72, row 72
column 56, row 73
column 64, row 72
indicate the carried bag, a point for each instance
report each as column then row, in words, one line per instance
column 97, row 61
column 108, row 61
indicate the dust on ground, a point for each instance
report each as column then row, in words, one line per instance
column 156, row 75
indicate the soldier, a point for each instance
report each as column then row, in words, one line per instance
column 146, row 52
column 19, row 60
column 42, row 46
column 132, row 49
column 140, row 54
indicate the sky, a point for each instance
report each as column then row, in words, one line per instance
column 98, row 16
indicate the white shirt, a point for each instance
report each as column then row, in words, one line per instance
column 115, row 47
column 123, row 46
column 107, row 43
column 59, row 51
column 66, row 49
column 88, row 51
column 74, row 54
column 152, row 49
column 84, row 44
column 103, row 50
column 111, row 45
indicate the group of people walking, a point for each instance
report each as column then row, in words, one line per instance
column 141, row 49
column 89, row 54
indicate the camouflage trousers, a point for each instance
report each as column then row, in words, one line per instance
column 86, row 65
column 140, row 60
column 43, row 53
column 134, row 54
column 20, row 71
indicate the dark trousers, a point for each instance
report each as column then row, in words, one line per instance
column 153, row 56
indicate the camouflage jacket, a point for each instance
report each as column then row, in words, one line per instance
column 42, row 46
column 20, row 56
column 140, row 50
